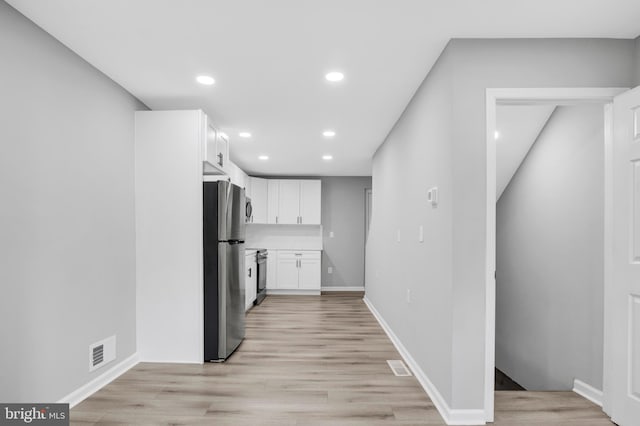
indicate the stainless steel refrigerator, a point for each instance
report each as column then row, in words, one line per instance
column 224, row 286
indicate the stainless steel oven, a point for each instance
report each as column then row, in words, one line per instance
column 261, row 257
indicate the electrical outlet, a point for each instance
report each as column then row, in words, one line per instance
column 408, row 295
column 331, row 234
column 330, row 270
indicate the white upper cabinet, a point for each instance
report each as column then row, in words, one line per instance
column 216, row 151
column 258, row 192
column 310, row 201
column 291, row 201
column 273, row 196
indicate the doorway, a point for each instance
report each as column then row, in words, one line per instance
column 549, row 247
column 496, row 97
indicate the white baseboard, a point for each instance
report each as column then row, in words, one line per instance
column 329, row 288
column 587, row 391
column 450, row 415
column 293, row 292
column 85, row 391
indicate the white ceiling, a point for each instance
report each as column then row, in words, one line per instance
column 519, row 127
column 269, row 59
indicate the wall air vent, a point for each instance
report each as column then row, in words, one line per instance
column 98, row 355
column 102, row 352
column 398, row 367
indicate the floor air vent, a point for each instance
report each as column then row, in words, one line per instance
column 398, row 367
column 102, row 352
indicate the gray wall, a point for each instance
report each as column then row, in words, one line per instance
column 415, row 157
column 67, row 260
column 440, row 141
column 637, row 69
column 343, row 212
column 550, row 237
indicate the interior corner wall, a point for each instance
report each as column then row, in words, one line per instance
column 550, row 257
column 477, row 65
column 67, row 217
column 343, row 213
column 408, row 281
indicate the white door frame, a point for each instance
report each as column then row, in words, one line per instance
column 515, row 96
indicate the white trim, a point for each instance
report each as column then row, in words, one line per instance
column 292, row 292
column 88, row 389
column 587, row 391
column 450, row 415
column 329, row 288
column 521, row 96
column 608, row 258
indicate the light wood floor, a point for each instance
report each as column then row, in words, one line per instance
column 305, row 361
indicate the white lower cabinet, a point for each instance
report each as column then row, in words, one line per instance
column 251, row 280
column 298, row 270
column 310, row 271
column 287, row 276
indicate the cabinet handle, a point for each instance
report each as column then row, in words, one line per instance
column 276, row 219
column 249, row 272
column 300, row 220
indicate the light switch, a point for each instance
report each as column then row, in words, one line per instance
column 432, row 196
column 330, row 270
column 398, row 236
column 330, row 234
column 421, row 234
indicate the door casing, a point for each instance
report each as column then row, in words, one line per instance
column 528, row 96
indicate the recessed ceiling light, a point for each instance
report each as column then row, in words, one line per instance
column 328, row 133
column 334, row 76
column 244, row 135
column 263, row 157
column 327, row 157
column 496, row 135
column 205, row 79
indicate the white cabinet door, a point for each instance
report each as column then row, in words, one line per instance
column 222, row 151
column 250, row 280
column 272, row 269
column 287, row 270
column 289, row 202
column 248, row 191
column 259, row 200
column 216, row 152
column 310, row 202
column 273, row 199
column 310, row 272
